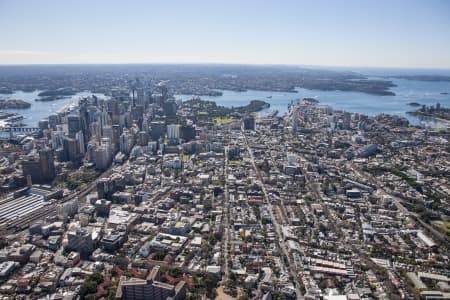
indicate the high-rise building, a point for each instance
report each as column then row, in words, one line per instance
column 102, row 158
column 116, row 132
column 40, row 170
column 142, row 138
column 47, row 165
column 31, row 169
column 187, row 133
column 79, row 136
column 73, row 125
column 294, row 121
column 173, row 131
column 71, row 150
column 169, row 108
column 126, row 142
column 158, row 130
column 249, row 123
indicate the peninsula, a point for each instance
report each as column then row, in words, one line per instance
column 14, row 104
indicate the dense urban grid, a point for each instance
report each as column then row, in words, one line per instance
column 141, row 196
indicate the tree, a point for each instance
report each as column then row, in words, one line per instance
column 121, row 262
column 244, row 296
column 88, row 287
column 96, row 277
column 176, row 272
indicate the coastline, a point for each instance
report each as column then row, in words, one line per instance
column 421, row 114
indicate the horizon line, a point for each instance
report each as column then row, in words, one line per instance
column 223, row 64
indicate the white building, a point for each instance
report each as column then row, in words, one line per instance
column 173, row 131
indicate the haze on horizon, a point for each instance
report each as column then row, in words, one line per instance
column 405, row 34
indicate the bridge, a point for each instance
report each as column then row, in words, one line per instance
column 19, row 129
column 9, row 132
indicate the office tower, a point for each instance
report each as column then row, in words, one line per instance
column 140, row 97
column 102, row 157
column 79, row 136
column 294, row 121
column 107, row 132
column 142, row 138
column 187, row 132
column 53, row 120
column 173, row 131
column 47, row 165
column 346, row 120
column 43, row 124
column 169, row 108
column 126, row 142
column 71, row 150
column 84, row 123
column 249, row 123
column 116, row 132
column 137, row 114
column 73, row 125
column 31, row 169
column 40, row 170
column 158, row 130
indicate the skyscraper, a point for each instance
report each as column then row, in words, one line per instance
column 73, row 125
column 47, row 164
column 173, row 131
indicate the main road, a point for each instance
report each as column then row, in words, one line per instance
column 282, row 244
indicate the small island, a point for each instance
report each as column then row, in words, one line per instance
column 49, row 98
column 58, row 92
column 309, row 101
column 14, row 104
column 415, row 104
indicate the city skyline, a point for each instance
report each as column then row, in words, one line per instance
column 225, row 150
column 403, row 34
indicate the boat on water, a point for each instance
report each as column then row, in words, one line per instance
column 269, row 97
column 5, row 115
column 14, row 119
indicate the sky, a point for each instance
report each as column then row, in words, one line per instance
column 349, row 33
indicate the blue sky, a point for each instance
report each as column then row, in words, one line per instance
column 393, row 33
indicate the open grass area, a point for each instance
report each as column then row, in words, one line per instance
column 235, row 162
column 223, row 120
column 446, row 227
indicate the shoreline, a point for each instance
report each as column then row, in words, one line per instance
column 420, row 114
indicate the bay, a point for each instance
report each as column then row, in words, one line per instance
column 423, row 92
column 41, row 109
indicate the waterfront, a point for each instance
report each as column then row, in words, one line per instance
column 41, row 109
column 423, row 92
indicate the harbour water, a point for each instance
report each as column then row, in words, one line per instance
column 407, row 91
column 41, row 109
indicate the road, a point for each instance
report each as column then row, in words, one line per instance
column 282, row 244
column 225, row 243
column 398, row 203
